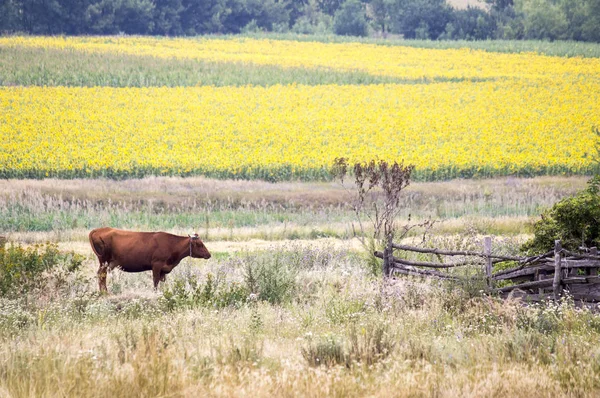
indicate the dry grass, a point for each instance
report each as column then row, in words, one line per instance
column 444, row 342
column 175, row 190
column 65, row 210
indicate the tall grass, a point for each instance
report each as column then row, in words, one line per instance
column 406, row 338
column 34, row 211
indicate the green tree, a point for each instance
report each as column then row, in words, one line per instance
column 166, row 17
column 296, row 9
column 590, row 29
column 575, row 12
column 10, row 20
column 205, row 16
column 233, row 16
column 420, row 19
column 542, row 19
column 41, row 16
column 135, row 16
column 329, row 7
column 500, row 5
column 73, row 16
column 470, row 24
column 350, row 19
column 115, row 16
column 312, row 20
column 380, row 11
column 267, row 13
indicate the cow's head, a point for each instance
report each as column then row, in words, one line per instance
column 197, row 248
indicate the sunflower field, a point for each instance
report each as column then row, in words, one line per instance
column 122, row 107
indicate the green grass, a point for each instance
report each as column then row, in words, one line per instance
column 53, row 67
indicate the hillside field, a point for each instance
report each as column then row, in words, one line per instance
column 284, row 110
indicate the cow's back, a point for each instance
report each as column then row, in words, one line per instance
column 133, row 251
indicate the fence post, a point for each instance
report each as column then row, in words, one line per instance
column 556, row 283
column 487, row 251
column 541, row 275
column 593, row 271
column 388, row 257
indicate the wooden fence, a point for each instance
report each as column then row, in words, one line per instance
column 535, row 278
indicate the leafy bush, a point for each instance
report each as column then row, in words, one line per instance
column 214, row 292
column 25, row 269
column 574, row 220
column 318, row 23
column 270, row 278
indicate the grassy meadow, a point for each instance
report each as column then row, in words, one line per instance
column 290, row 304
column 233, row 138
column 333, row 331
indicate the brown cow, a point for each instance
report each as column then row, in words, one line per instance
column 158, row 252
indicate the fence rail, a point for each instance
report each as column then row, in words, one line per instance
column 538, row 277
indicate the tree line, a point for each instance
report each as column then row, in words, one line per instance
column 413, row 19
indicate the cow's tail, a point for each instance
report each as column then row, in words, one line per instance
column 97, row 244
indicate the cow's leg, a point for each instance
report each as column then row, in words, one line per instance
column 160, row 271
column 167, row 268
column 102, row 271
column 156, row 274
